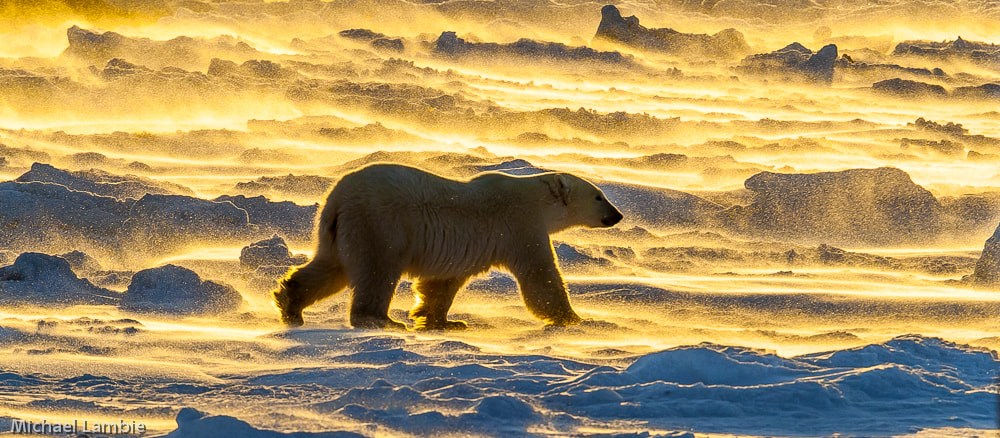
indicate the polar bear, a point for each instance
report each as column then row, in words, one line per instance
column 384, row 221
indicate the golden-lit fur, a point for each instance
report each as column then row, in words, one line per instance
column 385, row 221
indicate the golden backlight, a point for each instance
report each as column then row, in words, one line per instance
column 210, row 99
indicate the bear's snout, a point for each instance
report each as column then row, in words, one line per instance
column 615, row 217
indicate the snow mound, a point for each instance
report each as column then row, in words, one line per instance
column 33, row 211
column 657, row 207
column 875, row 207
column 285, row 218
column 988, row 267
column 102, row 183
column 36, row 216
column 511, row 167
column 499, row 415
column 572, row 258
column 615, row 28
column 906, row 88
column 393, row 382
column 98, row 48
column 307, row 186
column 42, row 279
column 709, row 388
column 166, row 215
column 173, row 289
column 192, row 423
column 793, row 62
column 449, row 44
column 901, row 379
column 81, row 261
column 912, row 351
column 495, row 282
column 712, row 365
column 269, row 252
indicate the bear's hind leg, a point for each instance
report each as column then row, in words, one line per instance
column 306, row 285
column 372, row 296
column 434, row 298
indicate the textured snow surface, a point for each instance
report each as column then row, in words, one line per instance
column 372, row 384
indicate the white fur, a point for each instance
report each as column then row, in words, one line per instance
column 385, row 220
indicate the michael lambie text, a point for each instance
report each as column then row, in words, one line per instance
column 46, row 427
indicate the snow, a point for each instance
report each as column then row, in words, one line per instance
column 363, row 381
column 571, row 258
column 707, row 388
column 29, row 205
column 148, row 174
column 269, row 252
column 81, row 261
column 174, row 289
column 36, row 279
column 100, row 182
column 192, row 423
column 211, row 371
column 512, row 167
column 41, row 279
column 911, row 377
column 44, row 214
column 494, row 282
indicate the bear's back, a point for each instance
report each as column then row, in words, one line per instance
column 396, row 183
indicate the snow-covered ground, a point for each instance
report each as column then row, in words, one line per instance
column 620, row 373
column 807, row 188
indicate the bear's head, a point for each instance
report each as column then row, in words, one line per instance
column 577, row 202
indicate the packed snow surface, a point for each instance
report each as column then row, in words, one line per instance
column 339, row 382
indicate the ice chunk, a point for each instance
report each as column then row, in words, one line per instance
column 270, row 252
column 192, row 423
column 173, row 289
column 42, row 279
column 102, row 183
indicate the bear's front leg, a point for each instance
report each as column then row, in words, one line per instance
column 542, row 286
column 434, row 298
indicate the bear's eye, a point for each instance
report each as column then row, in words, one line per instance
column 599, row 198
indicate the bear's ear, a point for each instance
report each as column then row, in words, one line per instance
column 559, row 186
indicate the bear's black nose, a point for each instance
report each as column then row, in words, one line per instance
column 613, row 219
